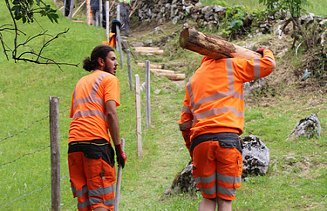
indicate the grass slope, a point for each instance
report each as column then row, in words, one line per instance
column 295, row 181
column 318, row 7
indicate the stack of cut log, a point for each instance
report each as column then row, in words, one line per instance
column 148, row 51
column 159, row 70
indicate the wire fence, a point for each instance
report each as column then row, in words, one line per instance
column 24, row 130
column 7, row 165
column 24, row 155
column 23, row 196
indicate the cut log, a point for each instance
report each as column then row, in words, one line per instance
column 78, row 21
column 161, row 71
column 213, row 47
column 148, row 50
column 152, row 65
column 173, row 76
column 141, row 48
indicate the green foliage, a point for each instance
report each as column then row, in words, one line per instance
column 250, row 5
column 295, row 7
column 214, row 2
column 17, row 45
column 234, row 21
column 318, row 7
column 26, row 9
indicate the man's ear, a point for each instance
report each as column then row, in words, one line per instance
column 100, row 62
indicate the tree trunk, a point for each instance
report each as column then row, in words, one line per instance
column 213, row 47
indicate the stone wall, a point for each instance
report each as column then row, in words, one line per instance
column 176, row 10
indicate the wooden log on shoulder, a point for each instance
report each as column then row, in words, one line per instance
column 213, row 47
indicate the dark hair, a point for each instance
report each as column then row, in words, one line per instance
column 101, row 51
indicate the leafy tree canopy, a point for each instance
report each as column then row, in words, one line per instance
column 25, row 11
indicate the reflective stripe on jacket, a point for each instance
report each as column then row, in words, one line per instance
column 88, row 106
column 214, row 101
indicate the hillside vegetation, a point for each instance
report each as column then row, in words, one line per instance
column 297, row 174
column 314, row 6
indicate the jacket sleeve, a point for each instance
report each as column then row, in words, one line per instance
column 186, row 120
column 249, row 70
column 71, row 112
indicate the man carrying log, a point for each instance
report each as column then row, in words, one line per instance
column 212, row 119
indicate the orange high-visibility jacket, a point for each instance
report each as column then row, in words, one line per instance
column 88, row 106
column 214, row 101
column 112, row 40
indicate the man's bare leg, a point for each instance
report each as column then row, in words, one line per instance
column 207, row 205
column 224, row 205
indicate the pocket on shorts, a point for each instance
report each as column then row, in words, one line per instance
column 238, row 178
column 108, row 171
column 94, row 168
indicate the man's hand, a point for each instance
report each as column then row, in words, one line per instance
column 121, row 155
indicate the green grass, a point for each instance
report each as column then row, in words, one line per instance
column 297, row 175
column 251, row 5
column 318, row 7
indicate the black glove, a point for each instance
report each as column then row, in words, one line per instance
column 121, row 155
column 115, row 23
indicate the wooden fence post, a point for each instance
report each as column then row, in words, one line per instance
column 118, row 38
column 54, row 152
column 88, row 12
column 129, row 70
column 65, row 5
column 107, row 21
column 97, row 19
column 71, row 8
column 101, row 12
column 138, row 115
column 147, row 88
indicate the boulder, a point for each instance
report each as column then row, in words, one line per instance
column 183, row 182
column 308, row 127
column 255, row 155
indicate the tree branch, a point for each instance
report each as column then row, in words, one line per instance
column 47, row 62
column 4, row 46
column 15, row 27
column 23, row 10
column 49, row 41
column 39, row 57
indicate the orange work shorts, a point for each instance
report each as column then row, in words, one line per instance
column 217, row 170
column 92, row 181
